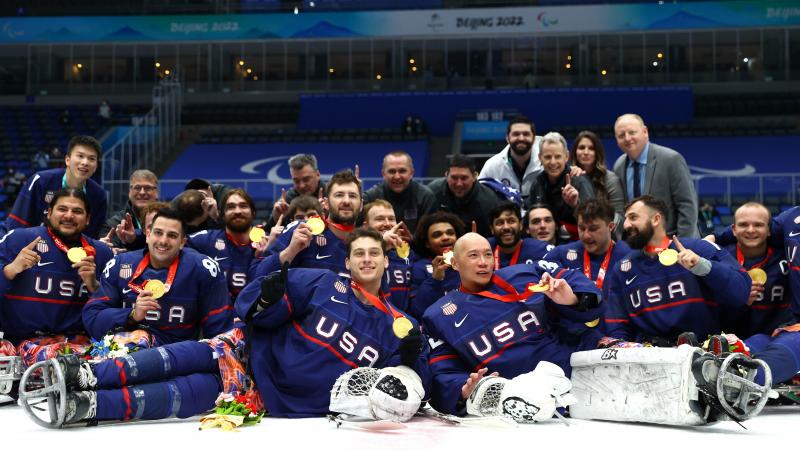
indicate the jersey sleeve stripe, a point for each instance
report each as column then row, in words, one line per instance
column 441, row 358
column 671, row 305
column 324, row 345
column 18, row 219
column 98, row 299
column 215, row 312
column 617, row 321
column 42, row 300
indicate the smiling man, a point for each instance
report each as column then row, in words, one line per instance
column 517, row 165
column 43, row 289
column 460, row 193
column 82, row 159
column 190, row 294
column 507, row 242
column 411, row 200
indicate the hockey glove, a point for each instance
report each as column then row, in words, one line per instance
column 411, row 347
column 273, row 287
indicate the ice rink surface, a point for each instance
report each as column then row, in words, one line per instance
column 776, row 427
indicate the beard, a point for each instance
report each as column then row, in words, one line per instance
column 238, row 226
column 521, row 148
column 336, row 218
column 512, row 244
column 638, row 239
column 72, row 238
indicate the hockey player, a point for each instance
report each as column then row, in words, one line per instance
column 48, row 274
column 496, row 323
column 596, row 252
column 301, row 247
column 174, row 293
column 507, row 243
column 432, row 275
column 310, row 327
column 669, row 287
column 32, row 203
column 379, row 216
column 231, row 248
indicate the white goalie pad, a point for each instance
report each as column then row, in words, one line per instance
column 653, row 385
column 350, row 392
column 397, row 394
column 527, row 398
column 11, row 370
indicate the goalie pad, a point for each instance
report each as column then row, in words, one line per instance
column 527, row 398
column 397, row 394
column 652, row 385
column 350, row 392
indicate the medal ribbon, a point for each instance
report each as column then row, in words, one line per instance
column 740, row 258
column 138, row 288
column 514, row 257
column 657, row 248
column 376, row 302
column 339, row 226
column 512, row 296
column 232, row 239
column 90, row 251
column 601, row 274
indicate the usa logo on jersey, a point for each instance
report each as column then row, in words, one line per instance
column 219, row 245
column 449, row 308
column 321, row 241
column 572, row 255
column 125, row 271
column 340, row 287
column 625, row 266
column 42, row 247
column 48, row 197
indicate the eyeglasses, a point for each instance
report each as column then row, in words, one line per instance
column 137, row 188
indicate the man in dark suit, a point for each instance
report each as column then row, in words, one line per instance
column 648, row 168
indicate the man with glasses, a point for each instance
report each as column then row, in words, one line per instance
column 119, row 231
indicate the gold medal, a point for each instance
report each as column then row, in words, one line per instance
column 155, row 287
column 668, row 257
column 316, row 225
column 401, row 327
column 538, row 287
column 758, row 275
column 76, row 254
column 448, row 257
column 593, row 323
column 256, row 235
column 403, row 250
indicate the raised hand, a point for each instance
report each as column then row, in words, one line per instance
column 27, row 258
column 559, row 290
column 686, row 258
column 280, row 208
column 125, row 230
column 569, row 193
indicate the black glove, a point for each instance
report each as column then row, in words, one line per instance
column 587, row 301
column 273, row 287
column 411, row 347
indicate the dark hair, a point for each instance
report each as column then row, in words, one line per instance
column 594, row 208
column 367, row 233
column 85, row 141
column 526, row 219
column 343, row 177
column 462, row 161
column 303, row 203
column 242, row 193
column 148, row 208
column 598, row 173
column 520, row 119
column 652, row 203
column 503, row 207
column 197, row 183
column 421, row 233
column 70, row 192
column 169, row 213
column 190, row 204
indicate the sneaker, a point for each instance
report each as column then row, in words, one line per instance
column 78, row 373
column 81, row 405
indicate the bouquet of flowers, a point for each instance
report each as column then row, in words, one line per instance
column 108, row 348
column 233, row 411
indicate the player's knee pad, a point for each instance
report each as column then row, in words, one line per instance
column 637, row 385
column 527, row 398
column 350, row 392
column 396, row 394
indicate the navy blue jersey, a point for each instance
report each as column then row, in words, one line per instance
column 570, row 255
column 197, row 300
column 772, row 308
column 318, row 331
column 647, row 299
column 531, row 251
column 47, row 298
column 30, row 208
column 425, row 289
column 326, row 251
column 398, row 278
column 232, row 257
column 470, row 331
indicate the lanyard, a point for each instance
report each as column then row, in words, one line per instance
column 511, row 296
column 340, row 227
column 376, row 302
column 657, row 249
column 235, row 242
column 64, row 183
column 740, row 258
column 63, row 247
column 138, row 288
column 514, row 257
column 601, row 274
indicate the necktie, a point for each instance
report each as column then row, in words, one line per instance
column 637, row 189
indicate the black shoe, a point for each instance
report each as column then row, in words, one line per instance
column 81, row 405
column 78, row 373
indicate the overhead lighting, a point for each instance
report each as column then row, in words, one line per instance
column 255, row 77
column 79, row 66
column 569, row 57
column 414, row 69
column 249, row 70
column 655, row 63
column 158, row 64
column 378, row 77
column 411, row 61
column 241, row 62
column 603, row 72
column 331, row 70
column 296, row 10
column 568, row 66
column 166, row 71
column 746, row 59
column 659, row 55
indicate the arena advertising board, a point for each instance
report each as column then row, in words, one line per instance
column 445, row 22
